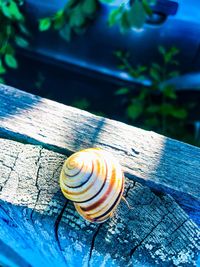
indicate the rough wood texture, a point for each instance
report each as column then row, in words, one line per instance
column 43, row 228
column 159, row 162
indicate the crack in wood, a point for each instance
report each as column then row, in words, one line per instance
column 37, row 199
column 55, row 171
column 38, row 170
column 39, row 156
column 93, row 242
column 150, row 232
column 115, row 148
column 11, row 170
column 131, row 186
column 36, row 183
column 57, row 223
column 135, row 151
column 176, row 229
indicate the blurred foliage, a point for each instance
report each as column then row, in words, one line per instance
column 82, row 103
column 73, row 18
column 13, row 31
column 40, row 79
column 133, row 15
column 85, row 104
column 155, row 106
column 77, row 14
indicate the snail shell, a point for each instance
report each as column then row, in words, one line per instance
column 93, row 180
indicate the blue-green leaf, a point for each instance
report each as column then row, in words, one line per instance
column 122, row 91
column 11, row 61
column 134, row 110
column 65, row 32
column 114, row 16
column 44, row 24
column 77, row 17
column 89, row 7
column 20, row 41
column 137, row 15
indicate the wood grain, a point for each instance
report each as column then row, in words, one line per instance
column 43, row 228
column 161, row 163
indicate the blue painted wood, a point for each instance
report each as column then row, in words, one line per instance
column 163, row 164
column 39, row 227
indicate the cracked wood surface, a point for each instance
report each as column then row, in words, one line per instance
column 161, row 163
column 42, row 228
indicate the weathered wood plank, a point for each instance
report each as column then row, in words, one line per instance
column 159, row 162
column 39, row 224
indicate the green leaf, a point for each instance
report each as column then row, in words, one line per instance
column 77, row 17
column 173, row 74
column 70, row 3
column 65, row 32
column 81, row 103
column 11, row 61
column 121, row 67
column 2, row 80
column 156, row 66
column 170, row 54
column 14, row 10
column 143, row 94
column 20, row 41
column 9, row 30
column 5, row 10
column 173, row 51
column 99, row 113
column 2, row 69
column 171, row 110
column 58, row 20
column 137, row 15
column 11, row 10
column 147, row 7
column 9, row 49
column 115, row 16
column 153, row 109
column 124, row 23
column 23, row 29
column 122, row 91
column 155, row 75
column 141, row 68
column 39, row 80
column 118, row 53
column 106, row 1
column 44, row 24
column 80, row 30
column 89, row 7
column 169, row 92
column 161, row 50
column 134, row 110
column 179, row 113
column 151, row 122
column 166, row 109
column 174, row 62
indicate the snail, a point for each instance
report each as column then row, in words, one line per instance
column 92, row 178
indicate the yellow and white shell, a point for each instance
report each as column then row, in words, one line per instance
column 93, row 180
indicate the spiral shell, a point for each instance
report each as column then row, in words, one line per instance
column 93, row 180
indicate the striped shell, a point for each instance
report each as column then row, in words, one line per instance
column 93, row 180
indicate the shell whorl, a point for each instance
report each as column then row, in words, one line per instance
column 93, row 180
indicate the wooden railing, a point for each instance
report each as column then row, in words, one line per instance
column 39, row 227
